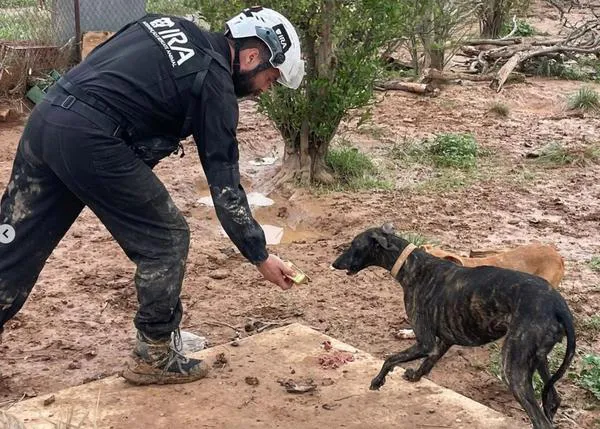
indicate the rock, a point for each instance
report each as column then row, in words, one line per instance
column 251, row 381
column 74, row 365
column 219, row 274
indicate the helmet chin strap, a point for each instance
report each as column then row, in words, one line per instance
column 236, row 58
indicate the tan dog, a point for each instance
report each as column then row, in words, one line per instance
column 539, row 259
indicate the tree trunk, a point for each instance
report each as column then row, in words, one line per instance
column 321, row 173
column 305, row 153
column 491, row 20
column 304, row 160
column 437, row 58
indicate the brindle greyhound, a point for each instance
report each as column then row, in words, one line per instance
column 448, row 304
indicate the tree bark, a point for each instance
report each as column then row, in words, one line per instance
column 491, row 20
column 437, row 58
column 506, row 70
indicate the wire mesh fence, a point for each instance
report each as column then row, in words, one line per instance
column 38, row 36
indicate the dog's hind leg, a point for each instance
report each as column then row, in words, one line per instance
column 554, row 397
column 439, row 350
column 519, row 361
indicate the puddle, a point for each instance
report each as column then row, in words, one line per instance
column 283, row 235
column 283, row 223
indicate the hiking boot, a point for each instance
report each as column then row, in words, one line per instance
column 161, row 362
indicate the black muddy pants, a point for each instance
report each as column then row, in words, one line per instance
column 67, row 160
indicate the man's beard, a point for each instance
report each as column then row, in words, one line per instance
column 243, row 83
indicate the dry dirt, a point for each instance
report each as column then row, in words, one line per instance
column 77, row 325
column 268, row 381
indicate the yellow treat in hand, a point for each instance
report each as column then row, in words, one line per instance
column 299, row 277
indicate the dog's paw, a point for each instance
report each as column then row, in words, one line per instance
column 411, row 375
column 377, row 383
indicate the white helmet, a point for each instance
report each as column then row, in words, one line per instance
column 278, row 34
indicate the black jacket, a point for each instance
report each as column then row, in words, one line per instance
column 146, row 73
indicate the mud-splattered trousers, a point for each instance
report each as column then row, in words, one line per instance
column 57, row 171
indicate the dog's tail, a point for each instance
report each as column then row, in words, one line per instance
column 566, row 320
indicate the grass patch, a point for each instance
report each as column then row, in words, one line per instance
column 589, row 376
column 444, row 151
column 454, row 150
column 551, row 67
column 555, row 359
column 500, row 109
column 27, row 24
column 453, row 159
column 556, row 154
column 5, row 4
column 585, row 98
column 354, row 170
column 595, row 263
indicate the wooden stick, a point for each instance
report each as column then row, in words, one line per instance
column 217, row 323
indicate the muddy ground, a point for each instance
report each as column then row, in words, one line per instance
column 77, row 325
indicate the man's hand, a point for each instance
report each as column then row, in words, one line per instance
column 274, row 270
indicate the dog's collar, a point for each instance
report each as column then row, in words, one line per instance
column 402, row 259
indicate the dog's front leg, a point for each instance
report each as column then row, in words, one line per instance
column 417, row 351
column 415, row 375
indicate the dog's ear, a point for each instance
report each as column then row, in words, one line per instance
column 454, row 259
column 383, row 242
column 388, row 228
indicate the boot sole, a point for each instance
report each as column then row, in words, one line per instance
column 144, row 379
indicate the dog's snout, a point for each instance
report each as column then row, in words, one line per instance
column 341, row 263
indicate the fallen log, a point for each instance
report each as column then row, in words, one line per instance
column 398, row 85
column 495, row 42
column 506, row 70
column 519, row 57
column 432, row 75
column 417, row 88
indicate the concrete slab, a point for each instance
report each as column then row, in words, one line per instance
column 230, row 399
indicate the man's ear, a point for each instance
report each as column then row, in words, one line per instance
column 383, row 242
column 251, row 56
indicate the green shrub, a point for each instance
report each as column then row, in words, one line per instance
column 353, row 169
column 454, row 150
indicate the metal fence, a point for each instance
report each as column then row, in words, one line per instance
column 37, row 36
